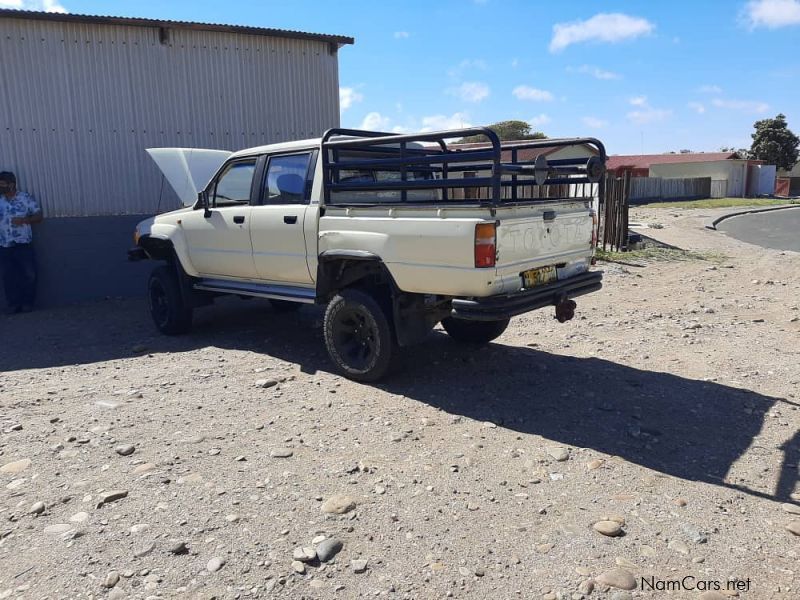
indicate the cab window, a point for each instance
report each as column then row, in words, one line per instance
column 233, row 185
column 287, row 179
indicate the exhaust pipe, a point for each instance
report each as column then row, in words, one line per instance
column 565, row 310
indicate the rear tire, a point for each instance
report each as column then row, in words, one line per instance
column 358, row 336
column 284, row 306
column 474, row 332
column 170, row 313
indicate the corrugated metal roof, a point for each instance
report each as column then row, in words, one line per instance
column 643, row 161
column 142, row 22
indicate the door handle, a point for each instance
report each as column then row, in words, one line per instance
column 290, row 219
column 238, row 219
column 549, row 215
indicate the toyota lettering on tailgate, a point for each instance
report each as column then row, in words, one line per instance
column 530, row 238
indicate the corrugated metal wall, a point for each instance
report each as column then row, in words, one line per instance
column 79, row 103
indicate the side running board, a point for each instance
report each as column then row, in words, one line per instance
column 262, row 290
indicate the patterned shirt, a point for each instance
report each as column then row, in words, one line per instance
column 21, row 205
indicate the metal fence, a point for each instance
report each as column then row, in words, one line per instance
column 657, row 189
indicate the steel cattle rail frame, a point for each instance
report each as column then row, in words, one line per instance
column 445, row 160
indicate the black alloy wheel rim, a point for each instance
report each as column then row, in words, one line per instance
column 355, row 336
column 159, row 305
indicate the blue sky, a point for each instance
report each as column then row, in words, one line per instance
column 640, row 75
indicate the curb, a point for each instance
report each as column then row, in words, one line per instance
column 713, row 224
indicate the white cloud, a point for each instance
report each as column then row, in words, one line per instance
column 698, row 107
column 53, row 7
column 470, row 91
column 477, row 63
column 438, row 122
column 645, row 113
column 468, row 64
column 539, row 120
column 514, row 63
column 772, row 13
column 603, row 27
column 525, row 92
column 50, row 6
column 748, row 106
column 375, row 121
column 594, row 122
column 709, row 89
column 401, row 35
column 595, row 72
column 347, row 97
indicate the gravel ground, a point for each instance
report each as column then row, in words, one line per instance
column 652, row 438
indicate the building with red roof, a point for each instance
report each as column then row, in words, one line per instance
column 730, row 174
column 638, row 165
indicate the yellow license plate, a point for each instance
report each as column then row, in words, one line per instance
column 539, row 276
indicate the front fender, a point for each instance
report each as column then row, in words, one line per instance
column 161, row 235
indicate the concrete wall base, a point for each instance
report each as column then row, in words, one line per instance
column 85, row 258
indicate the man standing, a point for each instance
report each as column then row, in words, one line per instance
column 18, row 211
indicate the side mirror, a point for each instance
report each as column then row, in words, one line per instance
column 202, row 202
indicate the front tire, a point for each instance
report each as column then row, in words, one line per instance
column 170, row 313
column 474, row 332
column 358, row 336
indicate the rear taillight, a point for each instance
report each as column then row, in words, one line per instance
column 594, row 228
column 485, row 249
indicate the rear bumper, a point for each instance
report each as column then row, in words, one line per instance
column 493, row 308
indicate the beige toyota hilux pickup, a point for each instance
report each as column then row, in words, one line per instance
column 392, row 233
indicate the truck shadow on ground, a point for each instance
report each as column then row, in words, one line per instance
column 695, row 430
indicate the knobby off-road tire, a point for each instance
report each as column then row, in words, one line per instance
column 358, row 336
column 474, row 332
column 170, row 314
column 284, row 306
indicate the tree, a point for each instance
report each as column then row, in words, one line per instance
column 508, row 130
column 775, row 143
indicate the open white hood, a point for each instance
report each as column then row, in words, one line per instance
column 188, row 170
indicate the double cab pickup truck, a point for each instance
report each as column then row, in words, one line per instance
column 392, row 233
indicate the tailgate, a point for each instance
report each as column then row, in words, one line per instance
column 542, row 234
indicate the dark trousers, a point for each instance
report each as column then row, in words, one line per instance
column 19, row 274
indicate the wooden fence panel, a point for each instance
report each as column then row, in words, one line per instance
column 645, row 188
column 656, row 189
column 719, row 188
column 613, row 226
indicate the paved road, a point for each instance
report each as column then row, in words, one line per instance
column 779, row 229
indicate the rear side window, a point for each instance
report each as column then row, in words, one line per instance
column 233, row 185
column 287, row 179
